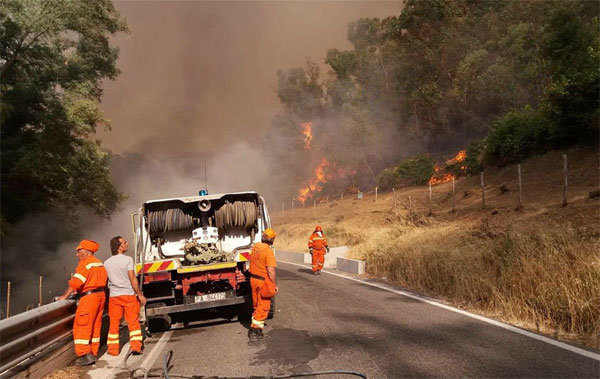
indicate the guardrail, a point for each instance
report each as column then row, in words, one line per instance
column 28, row 334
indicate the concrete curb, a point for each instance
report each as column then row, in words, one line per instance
column 335, row 259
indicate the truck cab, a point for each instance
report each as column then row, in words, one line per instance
column 192, row 256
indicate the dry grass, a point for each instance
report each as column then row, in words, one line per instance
column 538, row 267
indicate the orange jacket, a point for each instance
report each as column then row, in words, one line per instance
column 317, row 242
column 262, row 257
column 89, row 274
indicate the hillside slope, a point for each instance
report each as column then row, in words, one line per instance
column 537, row 267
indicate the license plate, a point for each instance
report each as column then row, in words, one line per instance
column 211, row 296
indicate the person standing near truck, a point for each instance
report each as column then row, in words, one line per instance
column 123, row 287
column 317, row 246
column 262, row 281
column 89, row 281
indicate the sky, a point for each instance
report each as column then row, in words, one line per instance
column 198, row 77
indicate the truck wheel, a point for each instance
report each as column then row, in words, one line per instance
column 159, row 323
column 271, row 310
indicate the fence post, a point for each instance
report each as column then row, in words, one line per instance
column 8, row 300
column 376, row 194
column 40, row 292
column 292, row 203
column 453, row 196
column 520, row 188
column 482, row 191
column 283, row 209
column 410, row 208
column 394, row 198
column 430, row 201
column 566, row 182
column 342, row 196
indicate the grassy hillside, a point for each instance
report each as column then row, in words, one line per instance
column 538, row 267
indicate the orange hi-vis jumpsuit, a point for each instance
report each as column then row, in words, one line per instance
column 318, row 244
column 89, row 275
column 261, row 258
column 130, row 306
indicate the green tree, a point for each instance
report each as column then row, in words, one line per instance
column 54, row 55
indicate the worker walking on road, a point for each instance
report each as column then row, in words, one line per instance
column 89, row 281
column 125, row 297
column 317, row 246
column 262, row 281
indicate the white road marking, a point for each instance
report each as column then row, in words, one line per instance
column 151, row 358
column 114, row 364
column 538, row 337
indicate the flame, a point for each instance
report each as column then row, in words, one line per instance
column 439, row 177
column 316, row 183
column 307, row 131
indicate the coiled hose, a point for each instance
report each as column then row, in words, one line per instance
column 169, row 220
column 239, row 214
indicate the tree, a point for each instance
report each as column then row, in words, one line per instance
column 54, row 55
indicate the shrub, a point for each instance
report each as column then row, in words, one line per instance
column 411, row 171
column 473, row 161
column 517, row 135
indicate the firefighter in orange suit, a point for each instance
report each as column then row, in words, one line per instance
column 125, row 297
column 89, row 281
column 317, row 246
column 262, row 281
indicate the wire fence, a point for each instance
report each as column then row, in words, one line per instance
column 515, row 187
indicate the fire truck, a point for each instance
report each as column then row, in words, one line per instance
column 192, row 256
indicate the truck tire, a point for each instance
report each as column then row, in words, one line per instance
column 271, row 310
column 160, row 323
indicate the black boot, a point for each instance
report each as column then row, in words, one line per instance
column 85, row 360
column 255, row 334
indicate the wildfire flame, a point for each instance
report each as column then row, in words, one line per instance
column 316, row 183
column 439, row 177
column 307, row 131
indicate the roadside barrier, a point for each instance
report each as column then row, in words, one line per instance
column 29, row 334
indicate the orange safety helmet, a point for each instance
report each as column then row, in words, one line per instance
column 269, row 233
column 318, row 228
column 90, row 245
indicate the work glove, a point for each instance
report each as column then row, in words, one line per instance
column 310, row 251
column 327, row 247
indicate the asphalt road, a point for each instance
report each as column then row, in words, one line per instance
column 327, row 322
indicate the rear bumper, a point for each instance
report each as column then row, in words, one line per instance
column 197, row 306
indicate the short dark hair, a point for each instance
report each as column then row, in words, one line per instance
column 115, row 244
column 268, row 241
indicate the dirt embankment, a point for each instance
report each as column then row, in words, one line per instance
column 537, row 267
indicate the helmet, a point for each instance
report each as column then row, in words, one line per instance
column 90, row 245
column 318, row 228
column 269, row 233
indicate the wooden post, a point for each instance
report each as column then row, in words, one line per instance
column 40, row 292
column 327, row 199
column 342, row 196
column 482, row 192
column 283, row 209
column 375, row 194
column 410, row 208
column 566, row 182
column 430, row 201
column 8, row 300
column 292, row 203
column 520, row 188
column 394, row 198
column 453, row 196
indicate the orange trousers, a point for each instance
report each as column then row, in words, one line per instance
column 261, row 305
column 129, row 306
column 318, row 259
column 88, row 320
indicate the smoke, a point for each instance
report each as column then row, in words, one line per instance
column 198, row 84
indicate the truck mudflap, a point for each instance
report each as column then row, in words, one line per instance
column 193, row 303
